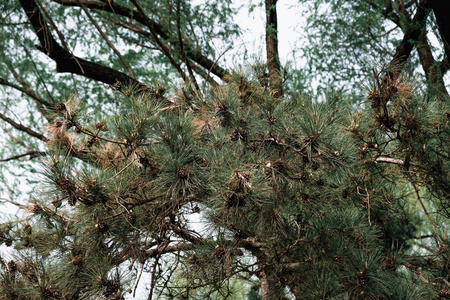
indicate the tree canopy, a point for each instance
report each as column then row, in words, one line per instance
column 153, row 168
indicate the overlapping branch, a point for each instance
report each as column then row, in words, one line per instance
column 66, row 62
column 192, row 53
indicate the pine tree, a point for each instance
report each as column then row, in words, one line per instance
column 247, row 188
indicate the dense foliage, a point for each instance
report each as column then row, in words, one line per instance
column 235, row 183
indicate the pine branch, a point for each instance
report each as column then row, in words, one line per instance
column 411, row 35
column 66, row 62
column 23, row 128
column 121, row 58
column 31, row 154
column 436, row 235
column 192, row 52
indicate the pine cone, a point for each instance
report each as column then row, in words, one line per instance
column 12, row 266
column 444, row 293
column 111, row 288
column 27, row 229
column 182, row 173
column 102, row 227
column 60, row 106
column 220, row 253
column 35, row 208
column 8, row 242
column 272, row 120
column 77, row 261
column 221, row 108
column 50, row 294
column 278, row 165
column 64, row 183
column 411, row 124
column 389, row 263
column 282, row 280
column 363, row 279
column 131, row 219
column 234, row 136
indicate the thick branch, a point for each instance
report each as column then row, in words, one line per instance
column 273, row 59
column 114, row 8
column 121, row 58
column 430, row 67
column 441, row 11
column 66, row 61
column 404, row 49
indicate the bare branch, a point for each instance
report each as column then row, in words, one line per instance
column 164, row 47
column 26, row 91
column 66, row 61
column 436, row 235
column 121, row 58
column 23, row 128
column 192, row 53
column 31, row 154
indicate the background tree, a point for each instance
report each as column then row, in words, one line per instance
column 307, row 198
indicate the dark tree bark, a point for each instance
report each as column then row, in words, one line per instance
column 192, row 53
column 273, row 59
column 431, row 68
column 441, row 12
column 66, row 62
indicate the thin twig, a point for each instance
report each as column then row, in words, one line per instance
column 437, row 237
column 122, row 59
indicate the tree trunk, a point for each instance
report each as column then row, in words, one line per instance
column 272, row 48
column 431, row 68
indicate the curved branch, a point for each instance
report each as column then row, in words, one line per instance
column 430, row 67
column 31, row 154
column 411, row 35
column 66, row 62
column 121, row 58
column 23, row 128
column 26, row 91
column 192, row 53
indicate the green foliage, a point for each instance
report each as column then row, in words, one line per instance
column 225, row 189
column 291, row 181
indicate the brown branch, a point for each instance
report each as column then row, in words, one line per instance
column 187, row 235
column 182, row 50
column 192, row 53
column 430, row 67
column 23, row 128
column 436, row 235
column 26, row 91
column 31, row 154
column 121, row 58
column 411, row 35
column 164, row 47
column 189, row 63
column 66, row 62
column 273, row 59
column 440, row 9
